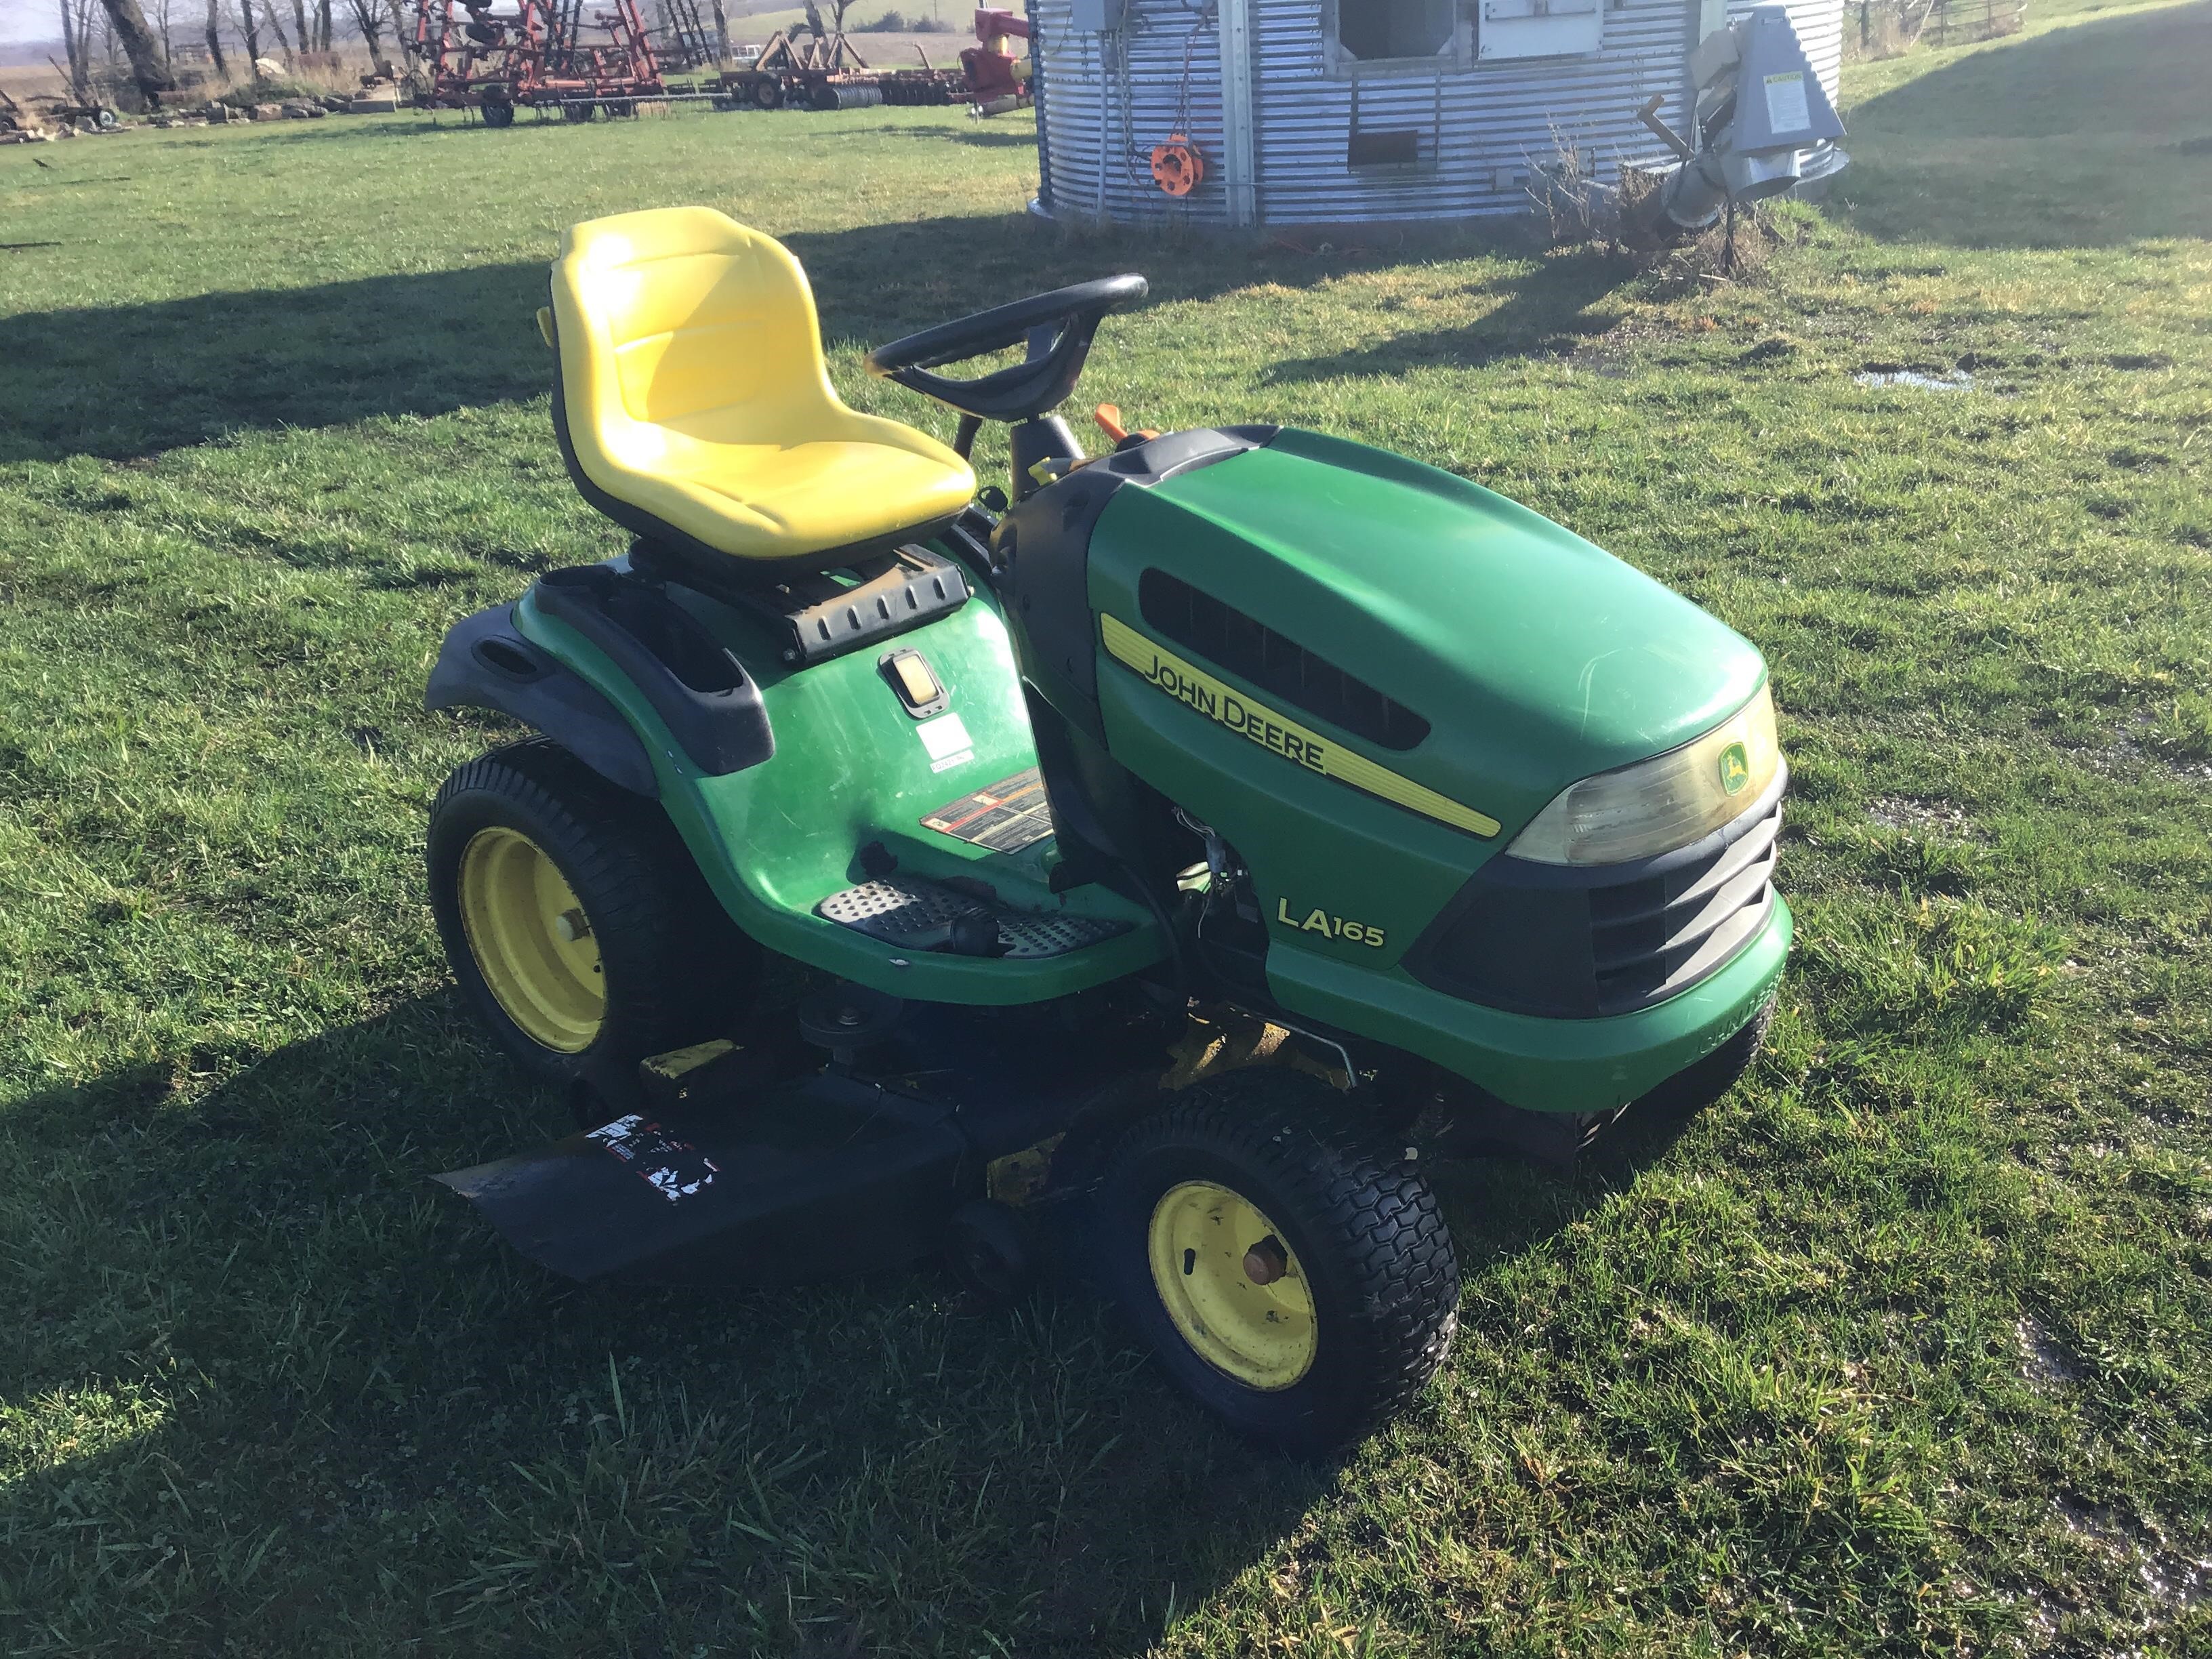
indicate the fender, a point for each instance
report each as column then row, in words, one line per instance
column 485, row 663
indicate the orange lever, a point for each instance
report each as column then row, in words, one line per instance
column 1108, row 416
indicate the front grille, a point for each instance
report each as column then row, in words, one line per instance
column 1571, row 942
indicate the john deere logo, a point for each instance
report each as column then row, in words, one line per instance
column 1735, row 768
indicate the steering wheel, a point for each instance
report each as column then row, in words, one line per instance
column 1058, row 327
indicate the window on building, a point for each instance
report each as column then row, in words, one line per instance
column 1379, row 31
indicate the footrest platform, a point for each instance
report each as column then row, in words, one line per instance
column 918, row 915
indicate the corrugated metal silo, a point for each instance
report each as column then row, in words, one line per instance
column 1328, row 112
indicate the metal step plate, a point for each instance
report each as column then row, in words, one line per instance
column 918, row 915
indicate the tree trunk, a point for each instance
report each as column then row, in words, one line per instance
column 74, row 49
column 721, row 33
column 252, row 33
column 307, row 33
column 276, row 24
column 214, row 40
column 323, row 25
column 370, row 21
column 130, row 24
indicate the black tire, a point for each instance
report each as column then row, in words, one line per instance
column 1358, row 1220
column 1702, row 1082
column 675, row 969
column 767, row 94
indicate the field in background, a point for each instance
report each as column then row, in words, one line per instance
column 1906, row 1347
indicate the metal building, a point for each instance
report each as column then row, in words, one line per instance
column 1327, row 112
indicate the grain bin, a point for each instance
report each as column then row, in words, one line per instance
column 1332, row 112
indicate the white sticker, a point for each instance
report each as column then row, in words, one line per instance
column 947, row 740
column 1786, row 111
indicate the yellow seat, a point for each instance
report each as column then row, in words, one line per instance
column 694, row 406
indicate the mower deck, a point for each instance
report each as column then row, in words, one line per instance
column 734, row 1167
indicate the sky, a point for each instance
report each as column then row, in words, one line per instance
column 30, row 20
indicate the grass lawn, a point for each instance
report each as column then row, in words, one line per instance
column 1906, row 1347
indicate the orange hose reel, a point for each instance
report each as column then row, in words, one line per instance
column 1177, row 166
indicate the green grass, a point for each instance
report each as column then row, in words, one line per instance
column 1904, row 1348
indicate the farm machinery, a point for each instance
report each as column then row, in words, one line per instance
column 799, row 70
column 993, row 85
column 579, row 57
column 587, row 56
column 1147, row 866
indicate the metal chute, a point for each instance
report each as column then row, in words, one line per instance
column 1764, row 123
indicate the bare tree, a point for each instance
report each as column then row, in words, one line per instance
column 276, row 23
column 721, row 31
column 161, row 10
column 322, row 25
column 129, row 24
column 214, row 38
column 252, row 32
column 78, row 50
column 369, row 18
column 300, row 16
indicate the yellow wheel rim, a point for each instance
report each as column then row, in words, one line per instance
column 1233, row 1287
column 532, row 940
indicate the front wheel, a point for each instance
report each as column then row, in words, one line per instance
column 1291, row 1273
column 573, row 916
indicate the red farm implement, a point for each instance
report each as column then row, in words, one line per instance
column 497, row 56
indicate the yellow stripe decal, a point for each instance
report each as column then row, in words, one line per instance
column 1198, row 690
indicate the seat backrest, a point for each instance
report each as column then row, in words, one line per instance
column 673, row 312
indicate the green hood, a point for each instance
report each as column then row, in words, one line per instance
column 1536, row 658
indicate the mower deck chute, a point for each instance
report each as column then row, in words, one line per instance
column 809, row 1181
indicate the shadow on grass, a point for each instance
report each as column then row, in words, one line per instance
column 128, row 381
column 372, row 1415
column 978, row 135
column 1543, row 312
column 2080, row 137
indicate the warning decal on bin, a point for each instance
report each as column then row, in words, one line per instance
column 1786, row 108
column 1004, row 817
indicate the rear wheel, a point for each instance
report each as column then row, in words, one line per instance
column 1292, row 1274
column 580, row 931
column 767, row 93
column 497, row 112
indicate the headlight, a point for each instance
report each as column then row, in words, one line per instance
column 1658, row 805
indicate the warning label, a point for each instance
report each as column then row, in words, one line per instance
column 1005, row 818
column 1787, row 111
column 674, row 1169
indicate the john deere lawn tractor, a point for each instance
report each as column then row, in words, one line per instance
column 1137, row 867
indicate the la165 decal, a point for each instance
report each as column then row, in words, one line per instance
column 1318, row 920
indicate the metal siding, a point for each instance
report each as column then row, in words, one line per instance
column 1512, row 115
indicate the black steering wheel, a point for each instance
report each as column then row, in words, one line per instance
column 1058, row 327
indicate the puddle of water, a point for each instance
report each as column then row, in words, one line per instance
column 2043, row 1360
column 1957, row 380
column 1937, row 820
